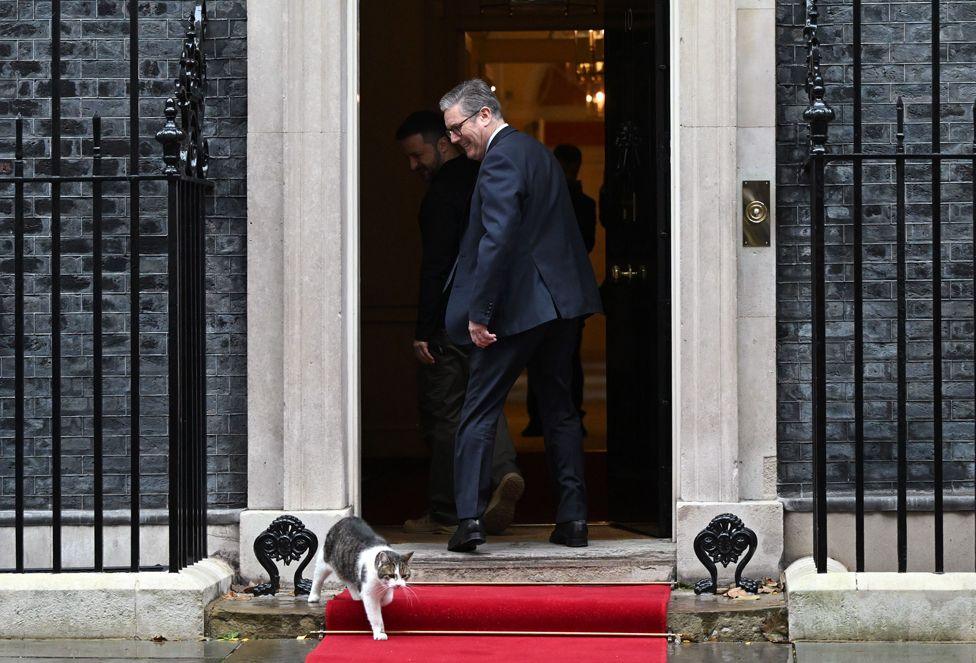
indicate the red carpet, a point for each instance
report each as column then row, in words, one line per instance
column 598, row 609
column 487, row 649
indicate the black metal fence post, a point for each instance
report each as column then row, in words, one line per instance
column 937, row 288
column 902, row 443
column 858, row 222
column 171, row 136
column 56, row 284
column 97, row 428
column 19, row 347
column 819, row 115
column 134, row 284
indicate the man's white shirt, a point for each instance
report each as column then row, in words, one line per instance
column 495, row 133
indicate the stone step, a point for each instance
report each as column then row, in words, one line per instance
column 522, row 555
column 603, row 561
column 525, row 555
column 696, row 618
column 717, row 618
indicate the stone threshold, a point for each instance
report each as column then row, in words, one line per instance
column 842, row 606
column 524, row 554
column 143, row 605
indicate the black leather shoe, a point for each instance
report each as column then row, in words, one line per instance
column 573, row 534
column 470, row 534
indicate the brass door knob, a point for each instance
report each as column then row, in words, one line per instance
column 630, row 273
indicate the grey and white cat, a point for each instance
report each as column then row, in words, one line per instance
column 365, row 562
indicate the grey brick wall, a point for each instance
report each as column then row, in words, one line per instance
column 896, row 55
column 95, row 80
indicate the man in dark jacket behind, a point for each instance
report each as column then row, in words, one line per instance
column 443, row 374
column 570, row 158
column 519, row 288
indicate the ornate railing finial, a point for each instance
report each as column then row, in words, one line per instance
column 818, row 114
column 170, row 136
column 192, row 152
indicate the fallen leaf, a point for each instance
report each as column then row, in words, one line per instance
column 158, row 638
column 740, row 594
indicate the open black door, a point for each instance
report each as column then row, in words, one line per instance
column 635, row 210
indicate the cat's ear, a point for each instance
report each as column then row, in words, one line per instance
column 382, row 557
column 406, row 558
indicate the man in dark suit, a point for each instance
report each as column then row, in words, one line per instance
column 570, row 158
column 443, row 373
column 519, row 288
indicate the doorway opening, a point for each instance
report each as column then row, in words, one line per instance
column 596, row 80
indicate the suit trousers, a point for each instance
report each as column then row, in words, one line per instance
column 546, row 350
column 532, row 403
column 441, row 389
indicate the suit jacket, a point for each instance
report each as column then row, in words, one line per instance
column 443, row 220
column 522, row 261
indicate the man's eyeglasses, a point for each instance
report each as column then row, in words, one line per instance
column 456, row 129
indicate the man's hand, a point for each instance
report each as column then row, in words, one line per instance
column 422, row 352
column 480, row 335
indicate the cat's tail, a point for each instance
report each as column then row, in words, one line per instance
column 322, row 571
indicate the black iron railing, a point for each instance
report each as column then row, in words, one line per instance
column 185, row 177
column 819, row 115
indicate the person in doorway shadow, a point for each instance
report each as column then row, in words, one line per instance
column 443, row 371
column 519, row 288
column 570, row 158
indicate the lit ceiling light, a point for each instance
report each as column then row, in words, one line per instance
column 589, row 66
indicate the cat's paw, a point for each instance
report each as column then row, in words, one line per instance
column 314, row 598
column 380, row 635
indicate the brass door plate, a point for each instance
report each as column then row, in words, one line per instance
column 756, row 213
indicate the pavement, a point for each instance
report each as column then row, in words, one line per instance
column 294, row 651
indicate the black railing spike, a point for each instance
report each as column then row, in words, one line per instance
column 19, row 146
column 900, row 121
column 96, row 135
